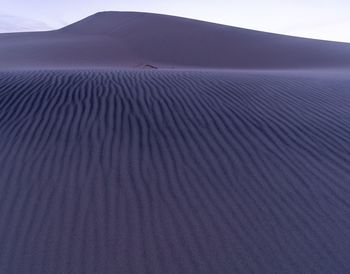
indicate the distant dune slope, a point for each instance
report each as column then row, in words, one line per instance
column 11, row 23
column 137, row 39
column 174, row 172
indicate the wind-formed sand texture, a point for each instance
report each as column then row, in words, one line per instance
column 142, row 143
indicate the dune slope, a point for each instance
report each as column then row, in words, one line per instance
column 232, row 157
column 138, row 39
column 174, row 172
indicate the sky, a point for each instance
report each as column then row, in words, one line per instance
column 320, row 19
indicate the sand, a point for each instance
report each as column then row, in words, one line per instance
column 130, row 39
column 209, row 167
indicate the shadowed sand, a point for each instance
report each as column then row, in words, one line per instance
column 173, row 171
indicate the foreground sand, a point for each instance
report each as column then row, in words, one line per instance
column 144, row 171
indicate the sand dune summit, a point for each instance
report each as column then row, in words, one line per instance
column 232, row 157
column 120, row 39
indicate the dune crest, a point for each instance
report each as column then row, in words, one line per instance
column 131, row 39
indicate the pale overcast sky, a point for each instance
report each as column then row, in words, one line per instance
column 323, row 19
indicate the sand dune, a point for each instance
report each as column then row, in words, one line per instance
column 137, row 39
column 106, row 170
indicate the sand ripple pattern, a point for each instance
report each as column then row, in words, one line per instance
column 174, row 172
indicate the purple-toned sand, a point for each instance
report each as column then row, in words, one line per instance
column 144, row 143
